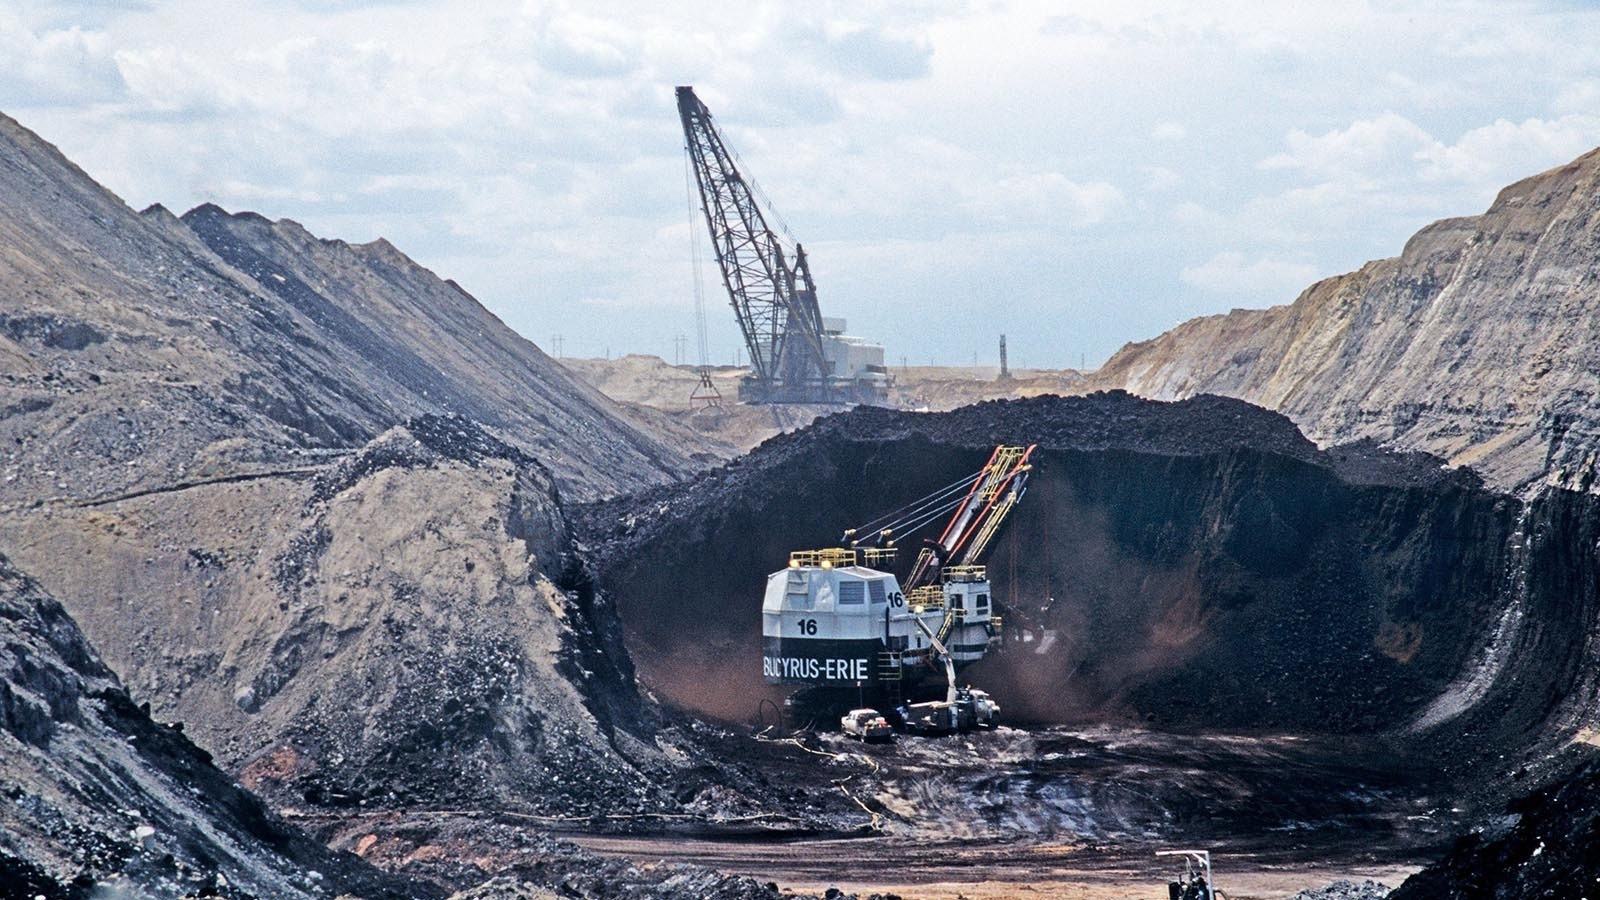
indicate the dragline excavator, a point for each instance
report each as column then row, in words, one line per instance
column 796, row 354
column 839, row 618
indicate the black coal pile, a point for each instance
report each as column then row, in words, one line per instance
column 1548, row 845
column 99, row 796
column 1186, row 564
column 1182, row 566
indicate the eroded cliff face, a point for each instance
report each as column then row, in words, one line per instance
column 1480, row 343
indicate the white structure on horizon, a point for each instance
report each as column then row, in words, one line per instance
column 855, row 358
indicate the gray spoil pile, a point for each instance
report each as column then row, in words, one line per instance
column 99, row 796
column 1346, row 890
column 404, row 625
column 141, row 352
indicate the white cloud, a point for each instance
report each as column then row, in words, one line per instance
column 1365, row 148
column 1036, row 197
column 1507, row 150
column 586, row 47
column 1193, row 214
column 1159, row 179
column 166, row 80
column 531, row 151
column 1581, row 96
column 1231, row 272
column 876, row 53
column 51, row 66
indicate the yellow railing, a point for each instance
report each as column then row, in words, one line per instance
column 878, row 556
column 965, row 573
column 927, row 597
column 827, row 559
column 999, row 465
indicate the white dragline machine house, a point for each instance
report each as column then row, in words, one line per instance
column 835, row 618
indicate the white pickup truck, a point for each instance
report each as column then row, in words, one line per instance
column 867, row 725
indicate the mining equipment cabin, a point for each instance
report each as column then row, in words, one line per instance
column 837, row 618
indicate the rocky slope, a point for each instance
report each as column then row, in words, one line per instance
column 100, row 797
column 306, row 497
column 405, row 625
column 1479, row 343
column 138, row 351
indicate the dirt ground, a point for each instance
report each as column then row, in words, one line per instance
column 657, row 396
column 975, row 871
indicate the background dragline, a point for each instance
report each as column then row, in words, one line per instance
column 796, row 354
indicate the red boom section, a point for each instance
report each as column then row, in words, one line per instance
column 994, row 492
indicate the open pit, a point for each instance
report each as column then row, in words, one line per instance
column 1338, row 654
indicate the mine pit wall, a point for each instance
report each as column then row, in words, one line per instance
column 1544, row 687
column 1238, row 589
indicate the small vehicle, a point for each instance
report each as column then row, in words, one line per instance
column 1195, row 882
column 978, row 707
column 935, row 717
column 866, row 725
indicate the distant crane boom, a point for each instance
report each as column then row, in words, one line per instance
column 774, row 299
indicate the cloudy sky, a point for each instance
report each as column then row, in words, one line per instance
column 1075, row 175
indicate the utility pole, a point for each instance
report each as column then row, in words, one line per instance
column 678, row 343
column 556, row 342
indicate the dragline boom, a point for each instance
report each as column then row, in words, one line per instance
column 795, row 355
column 772, row 296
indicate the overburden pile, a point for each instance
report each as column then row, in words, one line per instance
column 98, row 794
column 1478, row 342
column 307, row 497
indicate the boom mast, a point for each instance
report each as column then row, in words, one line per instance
column 775, row 300
column 994, row 493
